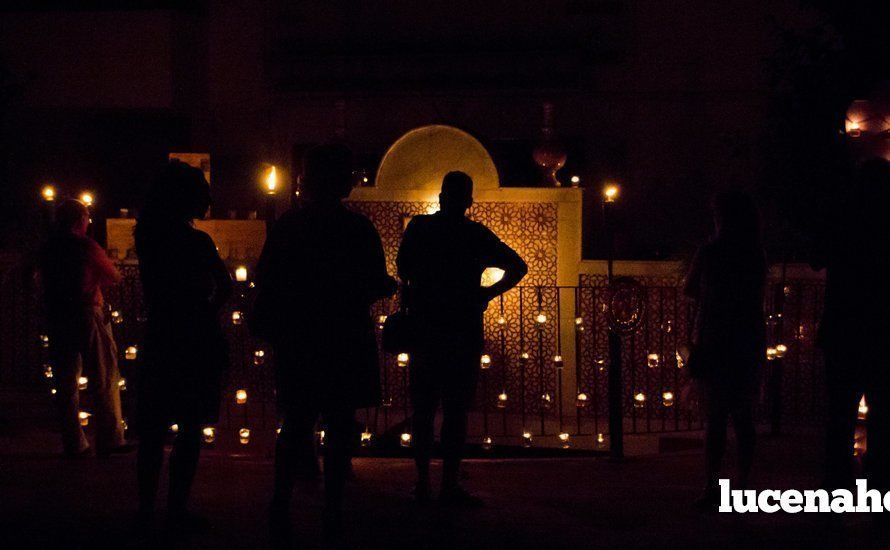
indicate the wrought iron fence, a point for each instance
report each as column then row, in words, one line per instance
column 543, row 370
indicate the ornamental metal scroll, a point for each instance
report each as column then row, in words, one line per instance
column 625, row 304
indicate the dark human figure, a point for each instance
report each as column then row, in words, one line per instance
column 320, row 270
column 727, row 280
column 185, row 283
column 74, row 268
column 856, row 326
column 440, row 262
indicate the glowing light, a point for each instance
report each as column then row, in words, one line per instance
column 174, row 428
column 122, row 384
column 667, row 399
column 130, row 353
column 405, row 439
column 244, row 436
column 581, row 400
column 541, row 318
column 402, row 359
column 48, row 193
column 259, row 357
column 270, row 182
column 209, row 434
column 564, row 439
column 863, row 408
column 579, row 324
column 44, row 341
column 241, row 273
column 575, row 180
column 87, row 198
column 610, row 192
column 47, row 371
column 366, row 438
column 82, row 382
column 53, row 391
column 241, row 397
column 781, row 349
column 600, row 438
column 652, row 360
column 491, row 276
column 487, row 442
column 771, row 353
column 237, row 318
column 381, row 320
column 116, row 317
column 485, row 361
column 546, row 400
column 502, row 400
column 526, row 438
column 854, row 129
column 558, row 361
column 639, row 400
column 502, row 321
column 523, row 356
column 84, row 418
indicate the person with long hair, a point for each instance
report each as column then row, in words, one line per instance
column 73, row 271
column 185, row 283
column 727, row 280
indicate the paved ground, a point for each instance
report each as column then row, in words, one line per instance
column 47, row 502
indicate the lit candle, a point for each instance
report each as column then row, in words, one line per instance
column 174, row 428
column 84, row 418
column 48, row 193
column 402, row 359
column 485, row 361
column 652, row 360
column 244, row 436
column 546, row 400
column 366, row 438
column 241, row 397
column 600, row 441
column 564, row 439
column 502, row 321
column 209, row 434
column 771, row 353
column 82, row 382
column 122, row 384
column 576, row 180
column 259, row 357
column 610, row 192
column 863, row 408
column 130, row 353
column 540, row 318
column 639, row 400
column 781, row 349
column 87, row 198
column 381, row 320
column 116, row 317
column 487, row 442
column 526, row 438
column 582, row 400
column 44, row 341
column 271, row 181
column 523, row 357
column 557, row 361
column 241, row 273
column 320, row 436
column 502, row 400
column 405, row 439
column 47, row 371
column 667, row 399
column 579, row 324
column 236, row 318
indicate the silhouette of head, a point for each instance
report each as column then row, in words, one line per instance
column 72, row 216
column 457, row 193
column 328, row 170
column 179, row 194
column 736, row 217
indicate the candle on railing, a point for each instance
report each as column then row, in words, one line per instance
column 130, row 353
column 402, row 359
column 241, row 397
column 564, row 439
column 244, row 436
column 405, row 439
column 558, row 361
column 652, row 360
column 487, row 443
column 502, row 400
column 209, row 434
column 485, row 361
column 667, row 399
column 581, row 400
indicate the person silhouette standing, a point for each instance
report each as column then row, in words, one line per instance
column 440, row 263
column 727, row 281
column 185, row 283
column 320, row 270
column 855, row 326
column 73, row 270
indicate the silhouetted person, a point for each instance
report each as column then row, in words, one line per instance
column 441, row 261
column 74, row 268
column 727, row 280
column 855, row 328
column 185, row 283
column 321, row 269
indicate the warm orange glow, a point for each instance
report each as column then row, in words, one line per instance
column 610, row 192
column 485, row 361
column 241, row 274
column 402, row 359
column 244, row 436
column 87, row 198
column 492, row 275
column 241, row 397
column 270, row 182
column 48, row 193
column 863, row 408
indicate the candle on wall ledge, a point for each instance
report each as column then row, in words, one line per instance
column 667, row 399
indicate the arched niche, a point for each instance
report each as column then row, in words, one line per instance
column 419, row 160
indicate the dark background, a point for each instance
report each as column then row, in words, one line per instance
column 673, row 98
